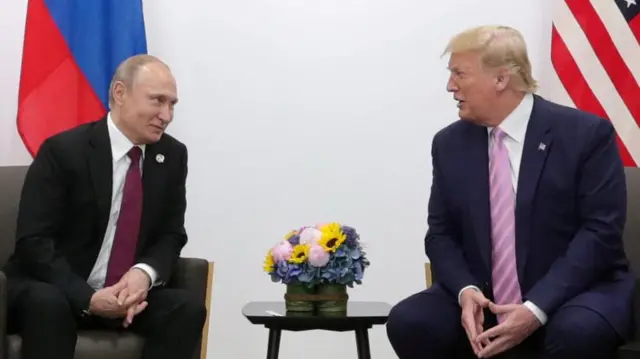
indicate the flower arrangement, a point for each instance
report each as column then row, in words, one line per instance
column 316, row 255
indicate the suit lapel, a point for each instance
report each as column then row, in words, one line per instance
column 101, row 169
column 477, row 164
column 153, row 174
column 537, row 146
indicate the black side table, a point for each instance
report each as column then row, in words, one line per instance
column 359, row 317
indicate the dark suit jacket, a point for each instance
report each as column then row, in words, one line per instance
column 570, row 213
column 65, row 206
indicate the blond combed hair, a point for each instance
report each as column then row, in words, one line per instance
column 500, row 47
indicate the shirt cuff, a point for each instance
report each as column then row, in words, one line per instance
column 542, row 316
column 153, row 275
column 465, row 288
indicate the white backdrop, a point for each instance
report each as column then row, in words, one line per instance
column 297, row 112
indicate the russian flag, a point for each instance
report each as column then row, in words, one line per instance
column 71, row 50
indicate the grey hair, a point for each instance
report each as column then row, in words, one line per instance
column 127, row 71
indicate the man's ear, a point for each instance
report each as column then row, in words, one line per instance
column 119, row 91
column 502, row 79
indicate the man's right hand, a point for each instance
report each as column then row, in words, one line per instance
column 104, row 303
column 473, row 302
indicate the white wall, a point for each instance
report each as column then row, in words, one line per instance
column 12, row 17
column 297, row 112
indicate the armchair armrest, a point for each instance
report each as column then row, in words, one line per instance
column 635, row 335
column 191, row 274
column 3, row 313
column 196, row 276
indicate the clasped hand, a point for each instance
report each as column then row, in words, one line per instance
column 519, row 323
column 125, row 299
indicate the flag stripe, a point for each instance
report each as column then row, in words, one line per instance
column 53, row 92
column 100, row 35
column 634, row 26
column 617, row 28
column 596, row 78
column 71, row 50
column 577, row 87
column 607, row 53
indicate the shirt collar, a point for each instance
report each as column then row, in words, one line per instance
column 515, row 125
column 120, row 144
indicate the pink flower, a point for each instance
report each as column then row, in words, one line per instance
column 310, row 235
column 282, row 251
column 318, row 257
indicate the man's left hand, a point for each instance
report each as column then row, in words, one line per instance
column 137, row 283
column 518, row 324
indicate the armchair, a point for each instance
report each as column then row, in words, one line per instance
column 632, row 247
column 193, row 274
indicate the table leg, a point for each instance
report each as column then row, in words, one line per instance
column 362, row 342
column 274, row 343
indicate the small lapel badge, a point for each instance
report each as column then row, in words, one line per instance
column 160, row 158
column 542, row 146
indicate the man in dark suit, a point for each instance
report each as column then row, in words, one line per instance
column 101, row 226
column 526, row 214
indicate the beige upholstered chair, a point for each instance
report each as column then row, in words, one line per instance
column 194, row 274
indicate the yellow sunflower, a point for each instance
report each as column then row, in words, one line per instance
column 332, row 237
column 300, row 253
column 268, row 262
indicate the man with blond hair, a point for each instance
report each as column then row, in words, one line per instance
column 526, row 214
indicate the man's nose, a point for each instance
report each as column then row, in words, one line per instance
column 165, row 114
column 451, row 85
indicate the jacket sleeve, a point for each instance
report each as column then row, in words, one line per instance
column 597, row 245
column 40, row 217
column 441, row 246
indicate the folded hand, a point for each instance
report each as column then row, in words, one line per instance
column 473, row 303
column 105, row 303
column 134, row 294
column 518, row 324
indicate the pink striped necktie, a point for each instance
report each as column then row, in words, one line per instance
column 506, row 288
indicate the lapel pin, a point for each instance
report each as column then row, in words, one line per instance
column 160, row 158
column 542, row 146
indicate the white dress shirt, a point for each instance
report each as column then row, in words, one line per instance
column 120, row 146
column 515, row 127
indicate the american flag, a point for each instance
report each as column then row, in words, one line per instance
column 595, row 51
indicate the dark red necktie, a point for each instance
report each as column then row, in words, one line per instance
column 128, row 227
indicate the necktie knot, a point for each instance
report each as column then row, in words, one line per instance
column 498, row 134
column 135, row 153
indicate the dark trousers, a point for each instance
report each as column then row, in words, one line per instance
column 428, row 325
column 171, row 323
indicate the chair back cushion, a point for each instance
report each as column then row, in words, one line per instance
column 632, row 235
column 632, row 227
column 11, row 180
